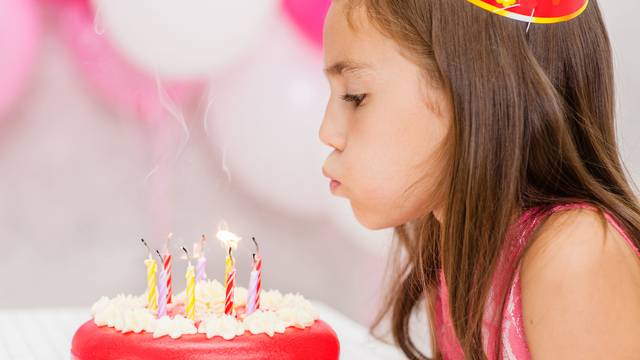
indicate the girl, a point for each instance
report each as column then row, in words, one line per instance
column 489, row 144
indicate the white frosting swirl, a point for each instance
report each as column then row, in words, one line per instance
column 225, row 326
column 127, row 313
column 174, row 327
column 124, row 312
column 266, row 322
column 270, row 299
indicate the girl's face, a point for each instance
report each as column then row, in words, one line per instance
column 386, row 124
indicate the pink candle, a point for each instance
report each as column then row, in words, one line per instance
column 166, row 265
column 255, row 281
column 255, row 284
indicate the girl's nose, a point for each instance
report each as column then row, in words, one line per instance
column 332, row 130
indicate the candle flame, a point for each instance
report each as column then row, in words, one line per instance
column 226, row 237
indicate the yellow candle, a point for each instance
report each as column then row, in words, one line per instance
column 227, row 268
column 152, row 296
column 191, row 293
column 230, row 241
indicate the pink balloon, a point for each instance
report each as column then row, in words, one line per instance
column 61, row 2
column 308, row 15
column 19, row 38
column 122, row 85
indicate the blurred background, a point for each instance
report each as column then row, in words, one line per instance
column 126, row 119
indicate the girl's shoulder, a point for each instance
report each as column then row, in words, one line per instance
column 580, row 286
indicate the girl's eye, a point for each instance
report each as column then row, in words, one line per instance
column 354, row 98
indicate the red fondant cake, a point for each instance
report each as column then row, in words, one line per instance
column 285, row 327
column 317, row 342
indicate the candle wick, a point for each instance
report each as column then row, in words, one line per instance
column 160, row 256
column 146, row 245
column 255, row 242
column 186, row 252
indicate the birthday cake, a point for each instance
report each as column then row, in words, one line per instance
column 206, row 321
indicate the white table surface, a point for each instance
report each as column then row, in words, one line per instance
column 27, row 334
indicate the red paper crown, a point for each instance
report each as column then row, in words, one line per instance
column 536, row 11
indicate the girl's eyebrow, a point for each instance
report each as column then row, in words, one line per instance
column 343, row 66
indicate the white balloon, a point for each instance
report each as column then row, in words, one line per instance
column 183, row 39
column 266, row 117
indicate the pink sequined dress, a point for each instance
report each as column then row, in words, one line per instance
column 512, row 337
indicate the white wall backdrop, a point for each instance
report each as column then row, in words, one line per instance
column 77, row 180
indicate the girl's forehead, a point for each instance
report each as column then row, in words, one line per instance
column 353, row 50
column 344, row 32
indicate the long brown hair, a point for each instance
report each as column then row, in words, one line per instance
column 533, row 125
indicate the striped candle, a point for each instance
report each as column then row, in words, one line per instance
column 255, row 285
column 190, row 309
column 227, row 268
column 162, row 294
column 166, row 265
column 201, row 269
column 162, row 291
column 152, row 296
column 230, row 284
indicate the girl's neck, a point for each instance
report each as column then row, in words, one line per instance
column 438, row 213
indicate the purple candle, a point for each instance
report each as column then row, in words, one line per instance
column 162, row 291
column 201, row 272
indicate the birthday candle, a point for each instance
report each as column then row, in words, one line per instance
column 255, row 282
column 228, row 264
column 230, row 241
column 166, row 265
column 191, row 293
column 152, row 296
column 253, row 302
column 230, row 285
column 201, row 265
column 162, row 291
